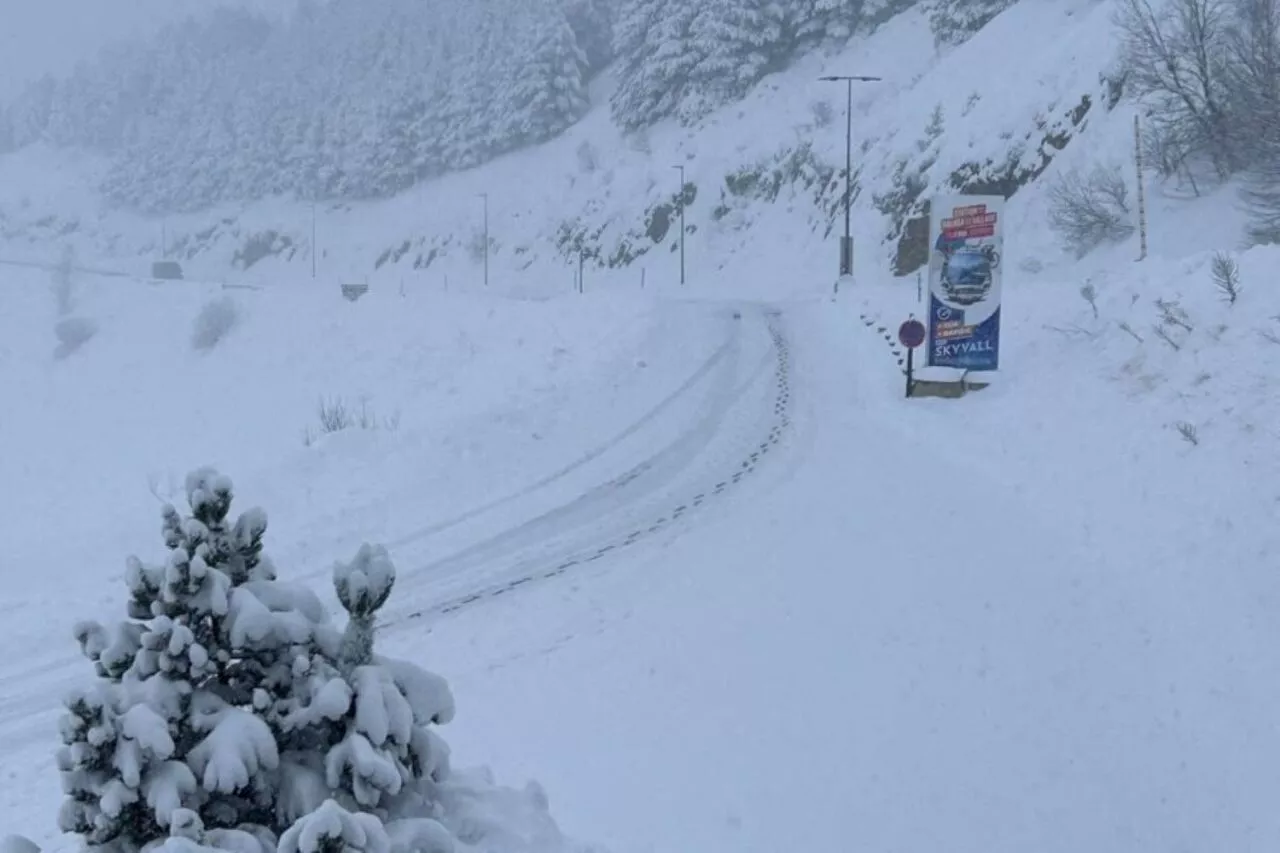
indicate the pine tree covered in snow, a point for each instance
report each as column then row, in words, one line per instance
column 684, row 58
column 592, row 23
column 187, row 712
column 383, row 93
column 230, row 714
column 954, row 21
column 658, row 54
column 551, row 93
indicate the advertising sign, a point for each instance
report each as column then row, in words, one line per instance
column 966, row 237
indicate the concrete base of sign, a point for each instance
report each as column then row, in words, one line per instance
column 949, row 389
column 946, row 382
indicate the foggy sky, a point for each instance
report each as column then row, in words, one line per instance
column 39, row 36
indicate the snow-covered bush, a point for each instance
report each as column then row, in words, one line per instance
column 73, row 333
column 1089, row 210
column 230, row 714
column 17, row 844
column 215, row 320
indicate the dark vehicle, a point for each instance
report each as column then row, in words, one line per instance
column 166, row 270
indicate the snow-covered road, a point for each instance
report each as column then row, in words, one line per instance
column 757, row 613
column 701, row 441
column 880, row 651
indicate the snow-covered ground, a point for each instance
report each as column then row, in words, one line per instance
column 685, row 554
column 1035, row 618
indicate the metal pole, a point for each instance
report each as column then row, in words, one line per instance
column 683, row 233
column 848, row 161
column 910, row 369
column 485, row 196
column 1142, row 193
column 846, row 242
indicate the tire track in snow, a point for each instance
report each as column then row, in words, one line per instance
column 731, row 475
column 25, row 693
column 679, row 393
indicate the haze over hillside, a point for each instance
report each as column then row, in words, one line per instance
column 51, row 36
column 542, row 296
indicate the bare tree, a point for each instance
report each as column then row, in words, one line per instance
column 1087, row 211
column 1177, row 57
column 1254, row 51
column 1253, row 73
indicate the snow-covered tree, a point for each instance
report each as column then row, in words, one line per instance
column 827, row 22
column 187, row 711
column 1253, row 50
column 551, row 93
column 657, row 53
column 230, row 714
column 742, row 39
column 954, row 21
column 684, row 58
column 592, row 24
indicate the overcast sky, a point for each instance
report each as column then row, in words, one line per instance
column 51, row 35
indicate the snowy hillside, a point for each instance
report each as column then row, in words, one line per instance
column 684, row 553
column 936, row 121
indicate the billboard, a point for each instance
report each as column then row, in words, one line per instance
column 965, row 243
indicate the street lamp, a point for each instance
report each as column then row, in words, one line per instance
column 682, row 231
column 846, row 242
column 485, row 196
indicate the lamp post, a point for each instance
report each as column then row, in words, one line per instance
column 846, row 242
column 485, row 196
column 680, row 199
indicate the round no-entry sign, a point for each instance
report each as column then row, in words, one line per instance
column 911, row 334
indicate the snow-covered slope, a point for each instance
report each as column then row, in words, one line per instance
column 1026, row 84
column 684, row 553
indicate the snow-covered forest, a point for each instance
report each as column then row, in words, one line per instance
column 363, row 99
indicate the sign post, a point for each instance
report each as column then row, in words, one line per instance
column 911, row 334
column 966, row 237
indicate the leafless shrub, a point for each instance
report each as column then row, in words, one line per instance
column 1072, row 331
column 1162, row 332
column 73, row 333
column 1269, row 335
column 1188, row 432
column 1125, row 327
column 1226, row 275
column 215, row 320
column 1089, row 294
column 823, row 114
column 1089, row 210
column 588, row 157
column 1172, row 314
column 336, row 415
column 163, row 493
column 476, row 246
